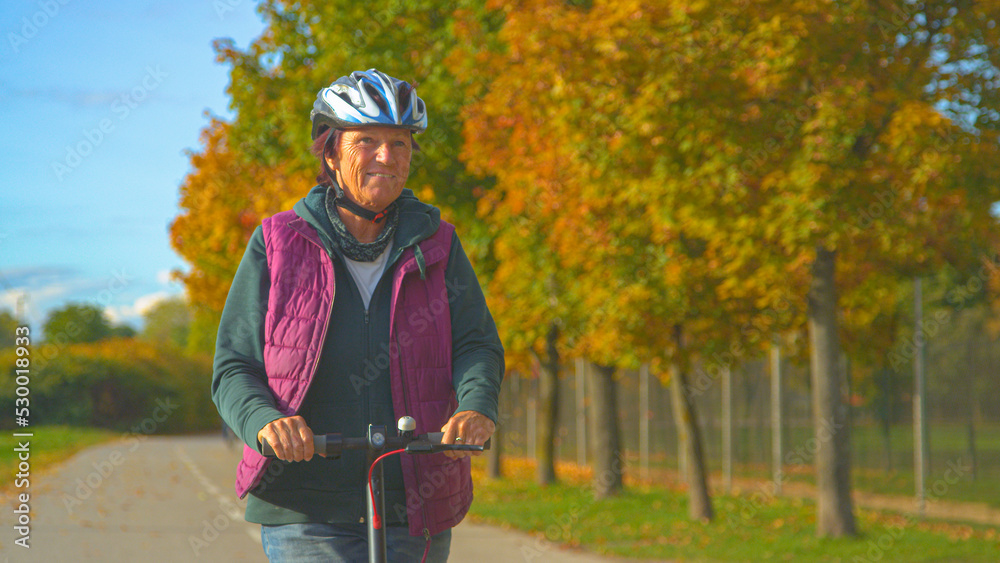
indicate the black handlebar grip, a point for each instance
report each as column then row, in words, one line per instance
column 266, row 450
column 319, row 444
column 436, row 438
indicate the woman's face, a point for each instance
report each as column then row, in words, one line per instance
column 373, row 164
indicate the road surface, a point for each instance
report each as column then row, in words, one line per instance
column 169, row 499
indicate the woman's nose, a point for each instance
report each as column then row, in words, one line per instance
column 383, row 153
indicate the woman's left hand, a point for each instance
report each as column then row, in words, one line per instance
column 472, row 427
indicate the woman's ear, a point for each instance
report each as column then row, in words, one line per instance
column 331, row 161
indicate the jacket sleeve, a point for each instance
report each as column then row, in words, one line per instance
column 239, row 382
column 477, row 354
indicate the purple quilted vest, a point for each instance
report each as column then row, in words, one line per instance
column 438, row 489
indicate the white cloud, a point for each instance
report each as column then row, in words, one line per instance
column 165, row 277
column 130, row 313
column 145, row 303
column 121, row 314
column 40, row 283
column 133, row 313
column 41, row 287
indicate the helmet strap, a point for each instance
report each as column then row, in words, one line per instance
column 366, row 214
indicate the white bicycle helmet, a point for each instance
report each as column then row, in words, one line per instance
column 368, row 98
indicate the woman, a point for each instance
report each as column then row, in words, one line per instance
column 356, row 307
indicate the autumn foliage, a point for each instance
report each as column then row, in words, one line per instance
column 695, row 154
column 223, row 201
column 657, row 180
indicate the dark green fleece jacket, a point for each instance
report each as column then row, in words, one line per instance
column 351, row 386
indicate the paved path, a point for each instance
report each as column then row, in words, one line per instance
column 169, row 499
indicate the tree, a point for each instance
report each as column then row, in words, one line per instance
column 123, row 331
column 580, row 195
column 604, row 431
column 223, row 200
column 545, row 265
column 686, row 418
column 870, row 129
column 168, row 322
column 833, row 466
column 548, row 407
column 76, row 323
column 203, row 332
column 778, row 155
column 8, row 328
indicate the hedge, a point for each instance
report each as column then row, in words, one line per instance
column 123, row 384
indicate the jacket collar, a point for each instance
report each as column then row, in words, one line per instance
column 417, row 220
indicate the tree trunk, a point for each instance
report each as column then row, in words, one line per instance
column 494, row 455
column 973, row 365
column 548, row 410
column 494, row 468
column 689, row 436
column 835, row 516
column 604, row 433
column 888, row 395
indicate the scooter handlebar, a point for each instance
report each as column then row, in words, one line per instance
column 333, row 444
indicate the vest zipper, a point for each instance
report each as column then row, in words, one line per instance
column 322, row 338
column 366, row 411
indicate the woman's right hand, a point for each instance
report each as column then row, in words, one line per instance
column 290, row 437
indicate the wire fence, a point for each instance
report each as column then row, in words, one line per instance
column 963, row 425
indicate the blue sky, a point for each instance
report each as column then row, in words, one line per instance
column 98, row 103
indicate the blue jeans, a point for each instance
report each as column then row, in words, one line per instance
column 306, row 543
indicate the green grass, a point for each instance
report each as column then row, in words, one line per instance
column 652, row 522
column 49, row 445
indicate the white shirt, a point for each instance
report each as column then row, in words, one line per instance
column 367, row 274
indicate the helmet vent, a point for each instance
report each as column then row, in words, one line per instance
column 376, row 96
column 403, row 100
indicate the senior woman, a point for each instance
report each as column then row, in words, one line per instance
column 356, row 307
